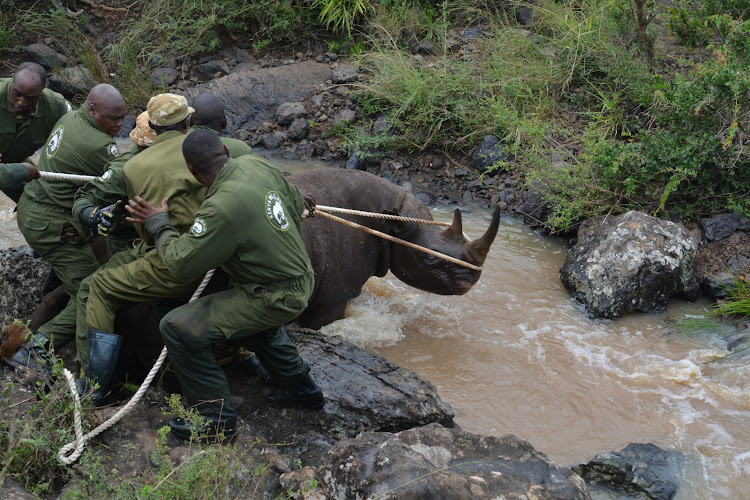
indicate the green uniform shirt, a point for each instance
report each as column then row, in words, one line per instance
column 160, row 172
column 19, row 139
column 76, row 145
column 249, row 225
column 235, row 147
column 107, row 190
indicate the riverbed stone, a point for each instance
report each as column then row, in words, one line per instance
column 631, row 262
column 46, row 56
column 722, row 225
column 345, row 73
column 435, row 462
column 287, row 112
column 298, row 129
column 637, row 471
column 21, row 283
column 72, row 81
column 164, row 77
column 489, row 153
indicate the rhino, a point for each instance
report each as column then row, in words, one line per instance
column 344, row 258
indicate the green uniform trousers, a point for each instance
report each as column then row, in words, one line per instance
column 132, row 276
column 42, row 227
column 247, row 315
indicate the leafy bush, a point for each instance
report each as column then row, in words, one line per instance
column 696, row 22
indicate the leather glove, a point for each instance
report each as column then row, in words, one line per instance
column 103, row 219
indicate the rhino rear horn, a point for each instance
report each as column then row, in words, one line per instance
column 455, row 231
column 478, row 249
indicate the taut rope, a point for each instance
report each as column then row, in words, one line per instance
column 76, row 447
column 67, row 177
column 398, row 240
column 380, row 216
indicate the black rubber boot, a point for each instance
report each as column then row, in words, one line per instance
column 253, row 368
column 306, row 394
column 33, row 354
column 104, row 351
column 213, row 425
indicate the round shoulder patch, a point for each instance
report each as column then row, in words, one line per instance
column 113, row 151
column 275, row 211
column 54, row 142
column 199, row 227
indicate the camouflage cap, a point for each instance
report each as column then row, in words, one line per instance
column 142, row 134
column 167, row 109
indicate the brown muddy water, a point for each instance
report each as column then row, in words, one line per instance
column 516, row 355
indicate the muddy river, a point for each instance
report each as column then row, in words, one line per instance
column 517, row 355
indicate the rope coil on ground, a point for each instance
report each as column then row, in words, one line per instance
column 399, row 241
column 73, row 450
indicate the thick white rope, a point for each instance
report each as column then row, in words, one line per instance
column 73, row 450
column 398, row 240
column 67, row 177
column 380, row 216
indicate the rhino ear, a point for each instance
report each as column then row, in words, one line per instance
column 455, row 231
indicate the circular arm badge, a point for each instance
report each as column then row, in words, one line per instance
column 53, row 144
column 275, row 211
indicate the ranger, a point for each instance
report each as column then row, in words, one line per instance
column 28, row 111
column 81, row 142
column 249, row 225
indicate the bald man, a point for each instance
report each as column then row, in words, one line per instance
column 28, row 111
column 81, row 142
column 209, row 114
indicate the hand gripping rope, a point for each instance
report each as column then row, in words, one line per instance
column 73, row 450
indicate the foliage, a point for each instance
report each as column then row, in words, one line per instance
column 698, row 22
column 343, row 13
column 737, row 301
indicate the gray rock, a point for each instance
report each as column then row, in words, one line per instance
column 164, row 77
column 632, row 262
column 73, row 81
column 489, row 152
column 21, row 283
column 524, row 16
column 423, row 47
column 240, row 55
column 13, row 490
column 271, row 141
column 435, row 462
column 723, row 225
column 535, row 208
column 345, row 115
column 128, row 124
column 643, row 470
column 213, row 69
column 717, row 285
column 354, row 163
column 381, row 125
column 298, row 129
column 425, row 197
column 46, row 56
column 287, row 112
column 345, row 73
column 332, row 56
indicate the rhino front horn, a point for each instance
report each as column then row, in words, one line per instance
column 455, row 231
column 479, row 249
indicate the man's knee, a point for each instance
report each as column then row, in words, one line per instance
column 185, row 324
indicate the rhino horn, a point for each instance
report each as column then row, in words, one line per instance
column 455, row 231
column 477, row 250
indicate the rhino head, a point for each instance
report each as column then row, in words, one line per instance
column 434, row 274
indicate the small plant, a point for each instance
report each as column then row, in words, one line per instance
column 737, row 301
column 343, row 13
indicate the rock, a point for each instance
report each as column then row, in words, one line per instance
column 164, row 77
column 434, row 462
column 524, row 16
column 240, row 55
column 345, row 74
column 345, row 115
column 535, row 208
column 288, row 112
column 425, row 197
column 213, row 69
column 717, row 285
column 73, row 81
column 271, row 141
column 46, row 56
column 489, row 152
column 332, row 56
column 128, row 124
column 353, row 162
column 298, row 129
column 644, row 470
column 21, row 282
column 381, row 125
column 317, row 100
column 723, row 225
column 423, row 47
column 632, row 262
column 13, row 490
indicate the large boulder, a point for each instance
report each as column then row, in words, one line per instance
column 435, row 462
column 632, row 262
column 252, row 96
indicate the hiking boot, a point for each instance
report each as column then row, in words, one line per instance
column 33, row 354
column 213, row 425
column 306, row 395
column 253, row 368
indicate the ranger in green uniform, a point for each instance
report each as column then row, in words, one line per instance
column 28, row 111
column 249, row 225
column 96, row 202
column 209, row 114
column 80, row 143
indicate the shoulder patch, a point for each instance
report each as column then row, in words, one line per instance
column 106, row 175
column 53, row 144
column 199, row 227
column 68, row 106
column 275, row 211
column 113, row 151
